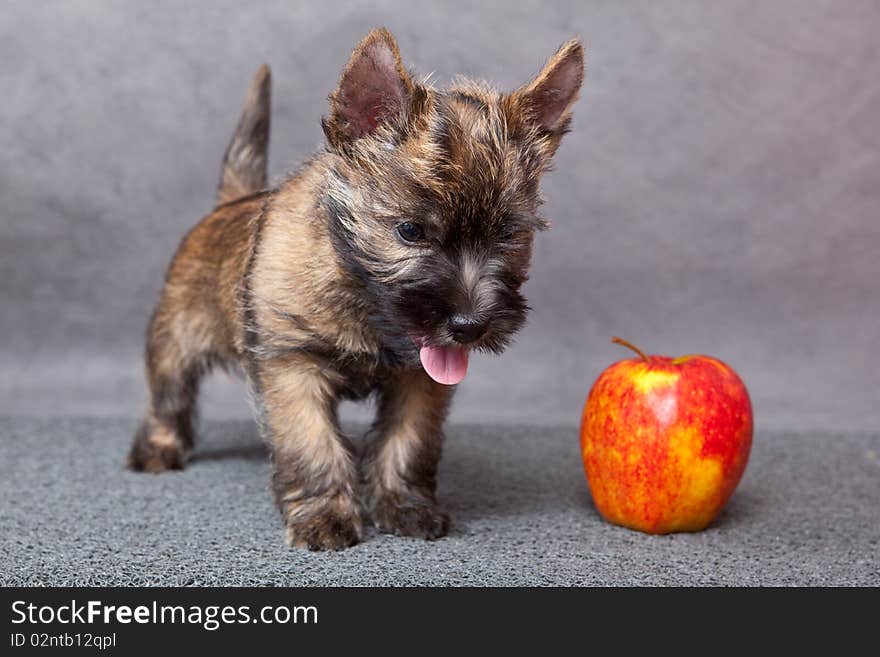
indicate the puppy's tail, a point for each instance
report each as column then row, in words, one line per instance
column 244, row 164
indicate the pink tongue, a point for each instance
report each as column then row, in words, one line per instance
column 446, row 365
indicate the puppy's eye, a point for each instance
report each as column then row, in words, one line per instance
column 410, row 232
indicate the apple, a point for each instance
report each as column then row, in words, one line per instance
column 665, row 441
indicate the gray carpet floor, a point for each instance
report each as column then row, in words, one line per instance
column 806, row 513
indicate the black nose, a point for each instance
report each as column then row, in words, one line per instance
column 466, row 329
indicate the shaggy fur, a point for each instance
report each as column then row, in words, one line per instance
column 323, row 290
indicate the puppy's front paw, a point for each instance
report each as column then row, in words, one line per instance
column 326, row 526
column 409, row 515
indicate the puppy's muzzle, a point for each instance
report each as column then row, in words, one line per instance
column 465, row 329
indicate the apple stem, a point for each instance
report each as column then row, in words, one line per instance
column 630, row 345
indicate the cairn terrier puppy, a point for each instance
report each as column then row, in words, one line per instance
column 395, row 251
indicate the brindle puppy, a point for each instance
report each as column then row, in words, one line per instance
column 376, row 268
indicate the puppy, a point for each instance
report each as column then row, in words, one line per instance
column 393, row 253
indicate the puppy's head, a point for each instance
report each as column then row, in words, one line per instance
column 433, row 198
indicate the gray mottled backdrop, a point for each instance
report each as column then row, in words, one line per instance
column 720, row 192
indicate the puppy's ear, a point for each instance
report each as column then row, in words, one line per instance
column 547, row 101
column 374, row 91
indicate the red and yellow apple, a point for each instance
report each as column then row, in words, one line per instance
column 665, row 441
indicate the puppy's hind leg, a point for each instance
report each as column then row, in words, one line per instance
column 177, row 357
